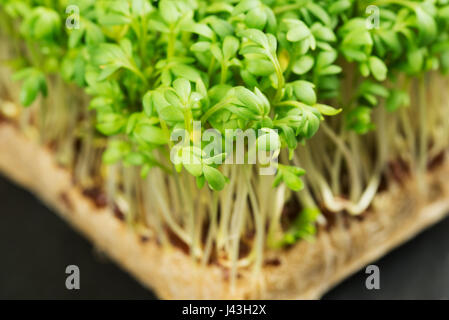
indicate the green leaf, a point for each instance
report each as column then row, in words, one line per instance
column 397, row 99
column 359, row 120
column 200, row 181
column 230, row 47
column 115, row 151
column 23, row 74
column 114, row 19
column 221, row 27
column 248, row 99
column 311, row 122
column 216, row 52
column 182, row 88
column 292, row 181
column 426, row 25
column 330, row 70
column 290, row 176
column 256, row 36
column 358, row 38
column 109, row 58
column 29, row 92
column 132, row 122
column 354, row 54
column 42, row 24
column 110, row 123
column 339, row 6
column 298, row 30
column 443, row 13
column 169, row 11
column 195, row 169
column 134, row 159
column 325, row 59
column 262, row 100
column 34, row 84
column 321, row 32
column 75, row 37
column 319, row 12
column 147, row 103
column 214, row 178
column 168, row 113
column 415, row 60
column 303, row 227
column 256, row 18
column 150, row 134
column 107, row 70
column 378, row 68
column 260, row 67
column 289, row 136
column 303, row 65
column 305, row 92
column 199, row 28
column 327, row 110
column 173, row 99
column 185, row 71
column 373, row 88
column 200, row 46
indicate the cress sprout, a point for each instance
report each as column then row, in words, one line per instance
column 342, row 100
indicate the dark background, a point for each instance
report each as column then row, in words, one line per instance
column 36, row 246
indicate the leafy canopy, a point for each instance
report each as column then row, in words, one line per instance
column 154, row 67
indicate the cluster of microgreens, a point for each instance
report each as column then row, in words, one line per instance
column 151, row 67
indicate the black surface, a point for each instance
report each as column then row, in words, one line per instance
column 36, row 246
